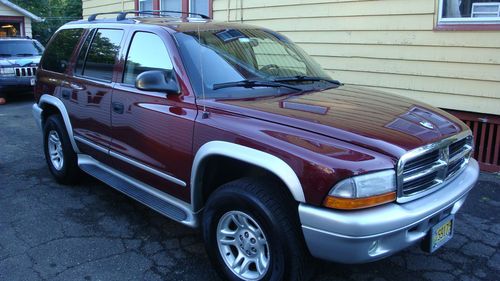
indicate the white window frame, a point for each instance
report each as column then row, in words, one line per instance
column 471, row 20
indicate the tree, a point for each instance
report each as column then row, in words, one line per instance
column 55, row 13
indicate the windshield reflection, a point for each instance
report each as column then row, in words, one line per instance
column 232, row 55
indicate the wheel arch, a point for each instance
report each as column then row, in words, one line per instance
column 50, row 104
column 249, row 156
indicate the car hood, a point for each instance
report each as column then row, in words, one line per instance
column 380, row 121
column 19, row 61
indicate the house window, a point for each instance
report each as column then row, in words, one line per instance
column 469, row 11
column 199, row 6
column 145, row 5
column 194, row 6
column 171, row 5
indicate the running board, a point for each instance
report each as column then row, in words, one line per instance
column 159, row 201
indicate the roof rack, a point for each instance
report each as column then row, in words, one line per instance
column 16, row 37
column 94, row 16
column 123, row 15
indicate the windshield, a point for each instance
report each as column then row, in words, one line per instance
column 12, row 48
column 232, row 55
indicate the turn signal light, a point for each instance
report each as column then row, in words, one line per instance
column 358, row 203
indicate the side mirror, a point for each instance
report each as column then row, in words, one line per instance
column 157, row 81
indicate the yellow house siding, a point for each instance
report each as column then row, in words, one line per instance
column 27, row 23
column 387, row 44
column 104, row 6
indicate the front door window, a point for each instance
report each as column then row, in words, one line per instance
column 140, row 58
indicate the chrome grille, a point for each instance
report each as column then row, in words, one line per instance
column 25, row 71
column 425, row 169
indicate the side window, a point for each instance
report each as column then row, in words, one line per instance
column 142, row 57
column 83, row 53
column 58, row 53
column 101, row 56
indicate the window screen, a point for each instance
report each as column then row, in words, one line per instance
column 58, row 53
column 101, row 56
column 147, row 52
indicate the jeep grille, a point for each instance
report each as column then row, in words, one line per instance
column 426, row 169
column 25, row 71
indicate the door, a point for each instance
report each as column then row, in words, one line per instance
column 89, row 92
column 152, row 131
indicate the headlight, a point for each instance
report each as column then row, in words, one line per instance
column 7, row 71
column 363, row 191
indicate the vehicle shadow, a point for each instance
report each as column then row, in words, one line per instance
column 19, row 97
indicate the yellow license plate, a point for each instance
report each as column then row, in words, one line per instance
column 441, row 233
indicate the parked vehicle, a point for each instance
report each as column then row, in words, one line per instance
column 19, row 58
column 236, row 130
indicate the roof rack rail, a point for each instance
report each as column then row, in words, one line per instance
column 123, row 15
column 94, row 16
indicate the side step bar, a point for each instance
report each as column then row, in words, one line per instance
column 159, row 201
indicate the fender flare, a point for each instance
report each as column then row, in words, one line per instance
column 249, row 155
column 49, row 99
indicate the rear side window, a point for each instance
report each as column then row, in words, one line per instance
column 101, row 56
column 83, row 53
column 58, row 53
column 147, row 52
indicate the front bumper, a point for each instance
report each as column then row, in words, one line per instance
column 15, row 82
column 371, row 234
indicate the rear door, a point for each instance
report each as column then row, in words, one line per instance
column 152, row 131
column 89, row 91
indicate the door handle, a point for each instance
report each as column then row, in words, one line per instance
column 75, row 86
column 65, row 94
column 118, row 107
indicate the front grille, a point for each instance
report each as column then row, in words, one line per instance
column 25, row 71
column 425, row 169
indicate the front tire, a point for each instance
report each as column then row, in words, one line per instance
column 252, row 232
column 59, row 154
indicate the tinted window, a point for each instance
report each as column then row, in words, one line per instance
column 83, row 52
column 20, row 48
column 102, row 54
column 59, row 51
column 147, row 52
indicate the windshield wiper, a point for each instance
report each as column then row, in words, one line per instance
column 5, row 55
column 252, row 84
column 25, row 55
column 302, row 78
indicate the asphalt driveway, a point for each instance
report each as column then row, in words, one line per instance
column 92, row 232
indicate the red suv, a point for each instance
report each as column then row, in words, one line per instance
column 235, row 129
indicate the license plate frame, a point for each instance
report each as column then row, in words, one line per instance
column 32, row 81
column 440, row 234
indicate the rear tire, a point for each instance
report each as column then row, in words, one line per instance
column 257, row 223
column 59, row 154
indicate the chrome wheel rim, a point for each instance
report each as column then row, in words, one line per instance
column 243, row 245
column 55, row 150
